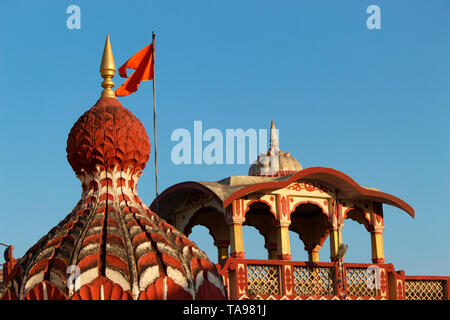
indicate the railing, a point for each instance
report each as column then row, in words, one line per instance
column 361, row 282
column 314, row 281
column 426, row 288
column 297, row 280
column 263, row 279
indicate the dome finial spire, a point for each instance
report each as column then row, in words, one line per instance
column 273, row 137
column 107, row 70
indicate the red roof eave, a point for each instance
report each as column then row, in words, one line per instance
column 330, row 177
column 338, row 180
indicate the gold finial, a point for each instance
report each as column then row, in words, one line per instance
column 107, row 70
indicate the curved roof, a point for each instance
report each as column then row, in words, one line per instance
column 232, row 188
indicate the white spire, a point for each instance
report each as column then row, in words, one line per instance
column 273, row 138
column 274, row 151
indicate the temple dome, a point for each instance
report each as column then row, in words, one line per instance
column 275, row 162
column 111, row 246
column 107, row 136
column 286, row 165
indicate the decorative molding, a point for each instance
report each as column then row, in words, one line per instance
column 302, row 200
column 195, row 199
column 308, row 186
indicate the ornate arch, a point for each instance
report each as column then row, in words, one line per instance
column 358, row 215
column 314, row 232
column 323, row 206
column 202, row 218
column 269, row 219
column 247, row 206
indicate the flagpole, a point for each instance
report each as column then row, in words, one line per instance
column 154, row 121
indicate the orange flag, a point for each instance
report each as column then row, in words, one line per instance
column 142, row 63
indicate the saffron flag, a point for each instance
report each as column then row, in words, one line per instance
column 142, row 63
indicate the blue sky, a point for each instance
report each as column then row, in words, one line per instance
column 373, row 104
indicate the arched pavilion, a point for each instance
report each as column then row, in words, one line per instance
column 277, row 196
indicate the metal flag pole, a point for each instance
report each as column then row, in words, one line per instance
column 154, row 121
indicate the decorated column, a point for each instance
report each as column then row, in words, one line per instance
column 235, row 219
column 236, row 240
column 336, row 228
column 282, row 228
column 222, row 249
column 335, row 241
column 271, row 250
column 313, row 253
column 271, row 242
column 376, row 233
column 221, row 234
column 283, row 247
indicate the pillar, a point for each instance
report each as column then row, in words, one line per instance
column 313, row 253
column 282, row 228
column 376, row 232
column 271, row 250
column 335, row 241
column 335, row 231
column 283, row 244
column 222, row 249
column 377, row 246
column 236, row 240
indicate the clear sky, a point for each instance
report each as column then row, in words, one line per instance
column 373, row 104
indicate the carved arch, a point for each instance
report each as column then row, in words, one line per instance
column 259, row 217
column 210, row 218
column 322, row 206
column 247, row 207
column 358, row 215
column 313, row 228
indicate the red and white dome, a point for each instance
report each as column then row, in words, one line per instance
column 112, row 246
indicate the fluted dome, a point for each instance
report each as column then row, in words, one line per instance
column 121, row 248
column 107, row 136
column 275, row 162
column 111, row 246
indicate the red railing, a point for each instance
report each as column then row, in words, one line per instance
column 297, row 280
column 426, row 288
